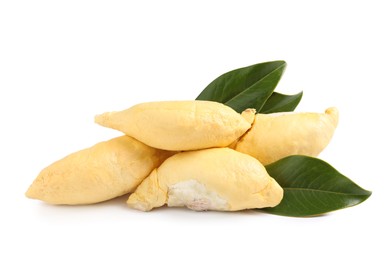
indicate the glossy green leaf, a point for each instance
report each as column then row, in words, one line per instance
column 312, row 187
column 281, row 103
column 247, row 87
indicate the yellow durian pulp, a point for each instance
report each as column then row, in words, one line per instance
column 104, row 171
column 178, row 125
column 212, row 179
column 277, row 135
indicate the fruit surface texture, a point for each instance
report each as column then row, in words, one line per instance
column 178, row 125
column 104, row 171
column 275, row 136
column 212, row 179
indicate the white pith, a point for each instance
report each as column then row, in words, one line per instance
column 194, row 195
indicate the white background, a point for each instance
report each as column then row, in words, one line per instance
column 62, row 62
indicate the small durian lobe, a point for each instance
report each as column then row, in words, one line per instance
column 218, row 179
column 104, row 171
column 178, row 125
column 275, row 136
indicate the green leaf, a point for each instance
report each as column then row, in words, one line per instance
column 312, row 187
column 247, row 87
column 281, row 103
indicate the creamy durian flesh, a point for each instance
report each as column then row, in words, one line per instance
column 204, row 178
column 212, row 179
column 275, row 136
column 104, row 171
column 178, row 125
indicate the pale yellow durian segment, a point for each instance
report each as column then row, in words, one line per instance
column 178, row 125
column 212, row 179
column 104, row 171
column 277, row 135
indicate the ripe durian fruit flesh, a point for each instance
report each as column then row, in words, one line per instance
column 179, row 125
column 219, row 179
column 277, row 135
column 104, row 171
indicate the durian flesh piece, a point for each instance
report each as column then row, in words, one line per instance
column 178, row 125
column 212, row 179
column 104, row 171
column 277, row 135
